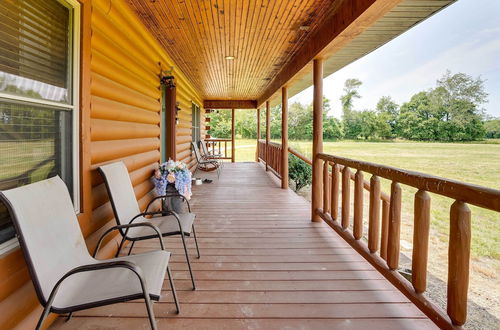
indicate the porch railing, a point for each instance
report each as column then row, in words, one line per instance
column 384, row 231
column 271, row 156
column 382, row 249
column 219, row 146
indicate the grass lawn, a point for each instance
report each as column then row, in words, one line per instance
column 472, row 163
column 476, row 163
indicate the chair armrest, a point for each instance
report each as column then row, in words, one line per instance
column 127, row 227
column 213, row 162
column 98, row 266
column 142, row 214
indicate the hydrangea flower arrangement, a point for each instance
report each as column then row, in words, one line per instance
column 175, row 173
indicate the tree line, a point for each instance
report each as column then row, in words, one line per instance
column 451, row 111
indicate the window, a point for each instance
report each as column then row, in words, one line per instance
column 38, row 97
column 196, row 132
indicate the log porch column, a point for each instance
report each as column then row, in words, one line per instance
column 284, row 138
column 233, row 147
column 268, row 131
column 317, row 147
column 169, row 124
column 258, row 136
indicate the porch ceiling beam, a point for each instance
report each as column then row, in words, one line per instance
column 349, row 20
column 230, row 104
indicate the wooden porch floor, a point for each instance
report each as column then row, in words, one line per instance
column 264, row 265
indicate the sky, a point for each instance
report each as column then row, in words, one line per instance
column 464, row 37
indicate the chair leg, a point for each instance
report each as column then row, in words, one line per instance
column 131, row 247
column 172, row 287
column 69, row 317
column 196, row 242
column 149, row 307
column 45, row 312
column 120, row 247
column 187, row 258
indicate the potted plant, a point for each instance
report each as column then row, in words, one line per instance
column 173, row 179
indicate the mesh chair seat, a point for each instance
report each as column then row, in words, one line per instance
column 65, row 276
column 126, row 211
column 114, row 283
column 167, row 225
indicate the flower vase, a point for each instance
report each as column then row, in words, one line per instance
column 173, row 203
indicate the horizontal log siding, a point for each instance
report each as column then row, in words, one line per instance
column 124, row 125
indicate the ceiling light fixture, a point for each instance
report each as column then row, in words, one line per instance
column 230, row 58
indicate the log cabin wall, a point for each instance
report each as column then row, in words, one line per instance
column 120, row 120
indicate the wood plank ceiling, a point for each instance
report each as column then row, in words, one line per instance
column 262, row 35
column 338, row 54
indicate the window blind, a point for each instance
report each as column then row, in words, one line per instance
column 35, row 63
column 34, row 41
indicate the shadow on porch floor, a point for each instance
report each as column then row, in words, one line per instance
column 264, row 265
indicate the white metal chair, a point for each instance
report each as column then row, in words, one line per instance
column 65, row 276
column 126, row 211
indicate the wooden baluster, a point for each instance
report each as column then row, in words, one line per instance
column 346, row 196
column 374, row 216
column 421, row 222
column 271, row 163
column 326, row 188
column 394, row 227
column 335, row 192
column 385, row 230
column 274, row 160
column 278, row 162
column 271, row 157
column 458, row 262
column 275, row 163
column 358, row 205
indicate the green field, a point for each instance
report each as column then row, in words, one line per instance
column 17, row 159
column 472, row 163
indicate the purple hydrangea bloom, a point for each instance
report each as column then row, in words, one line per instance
column 182, row 178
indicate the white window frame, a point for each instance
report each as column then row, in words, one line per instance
column 74, row 41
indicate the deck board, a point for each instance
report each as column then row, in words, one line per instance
column 264, row 265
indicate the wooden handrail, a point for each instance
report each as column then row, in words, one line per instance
column 473, row 194
column 299, row 155
column 219, row 146
column 384, row 228
column 366, row 184
column 217, row 140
